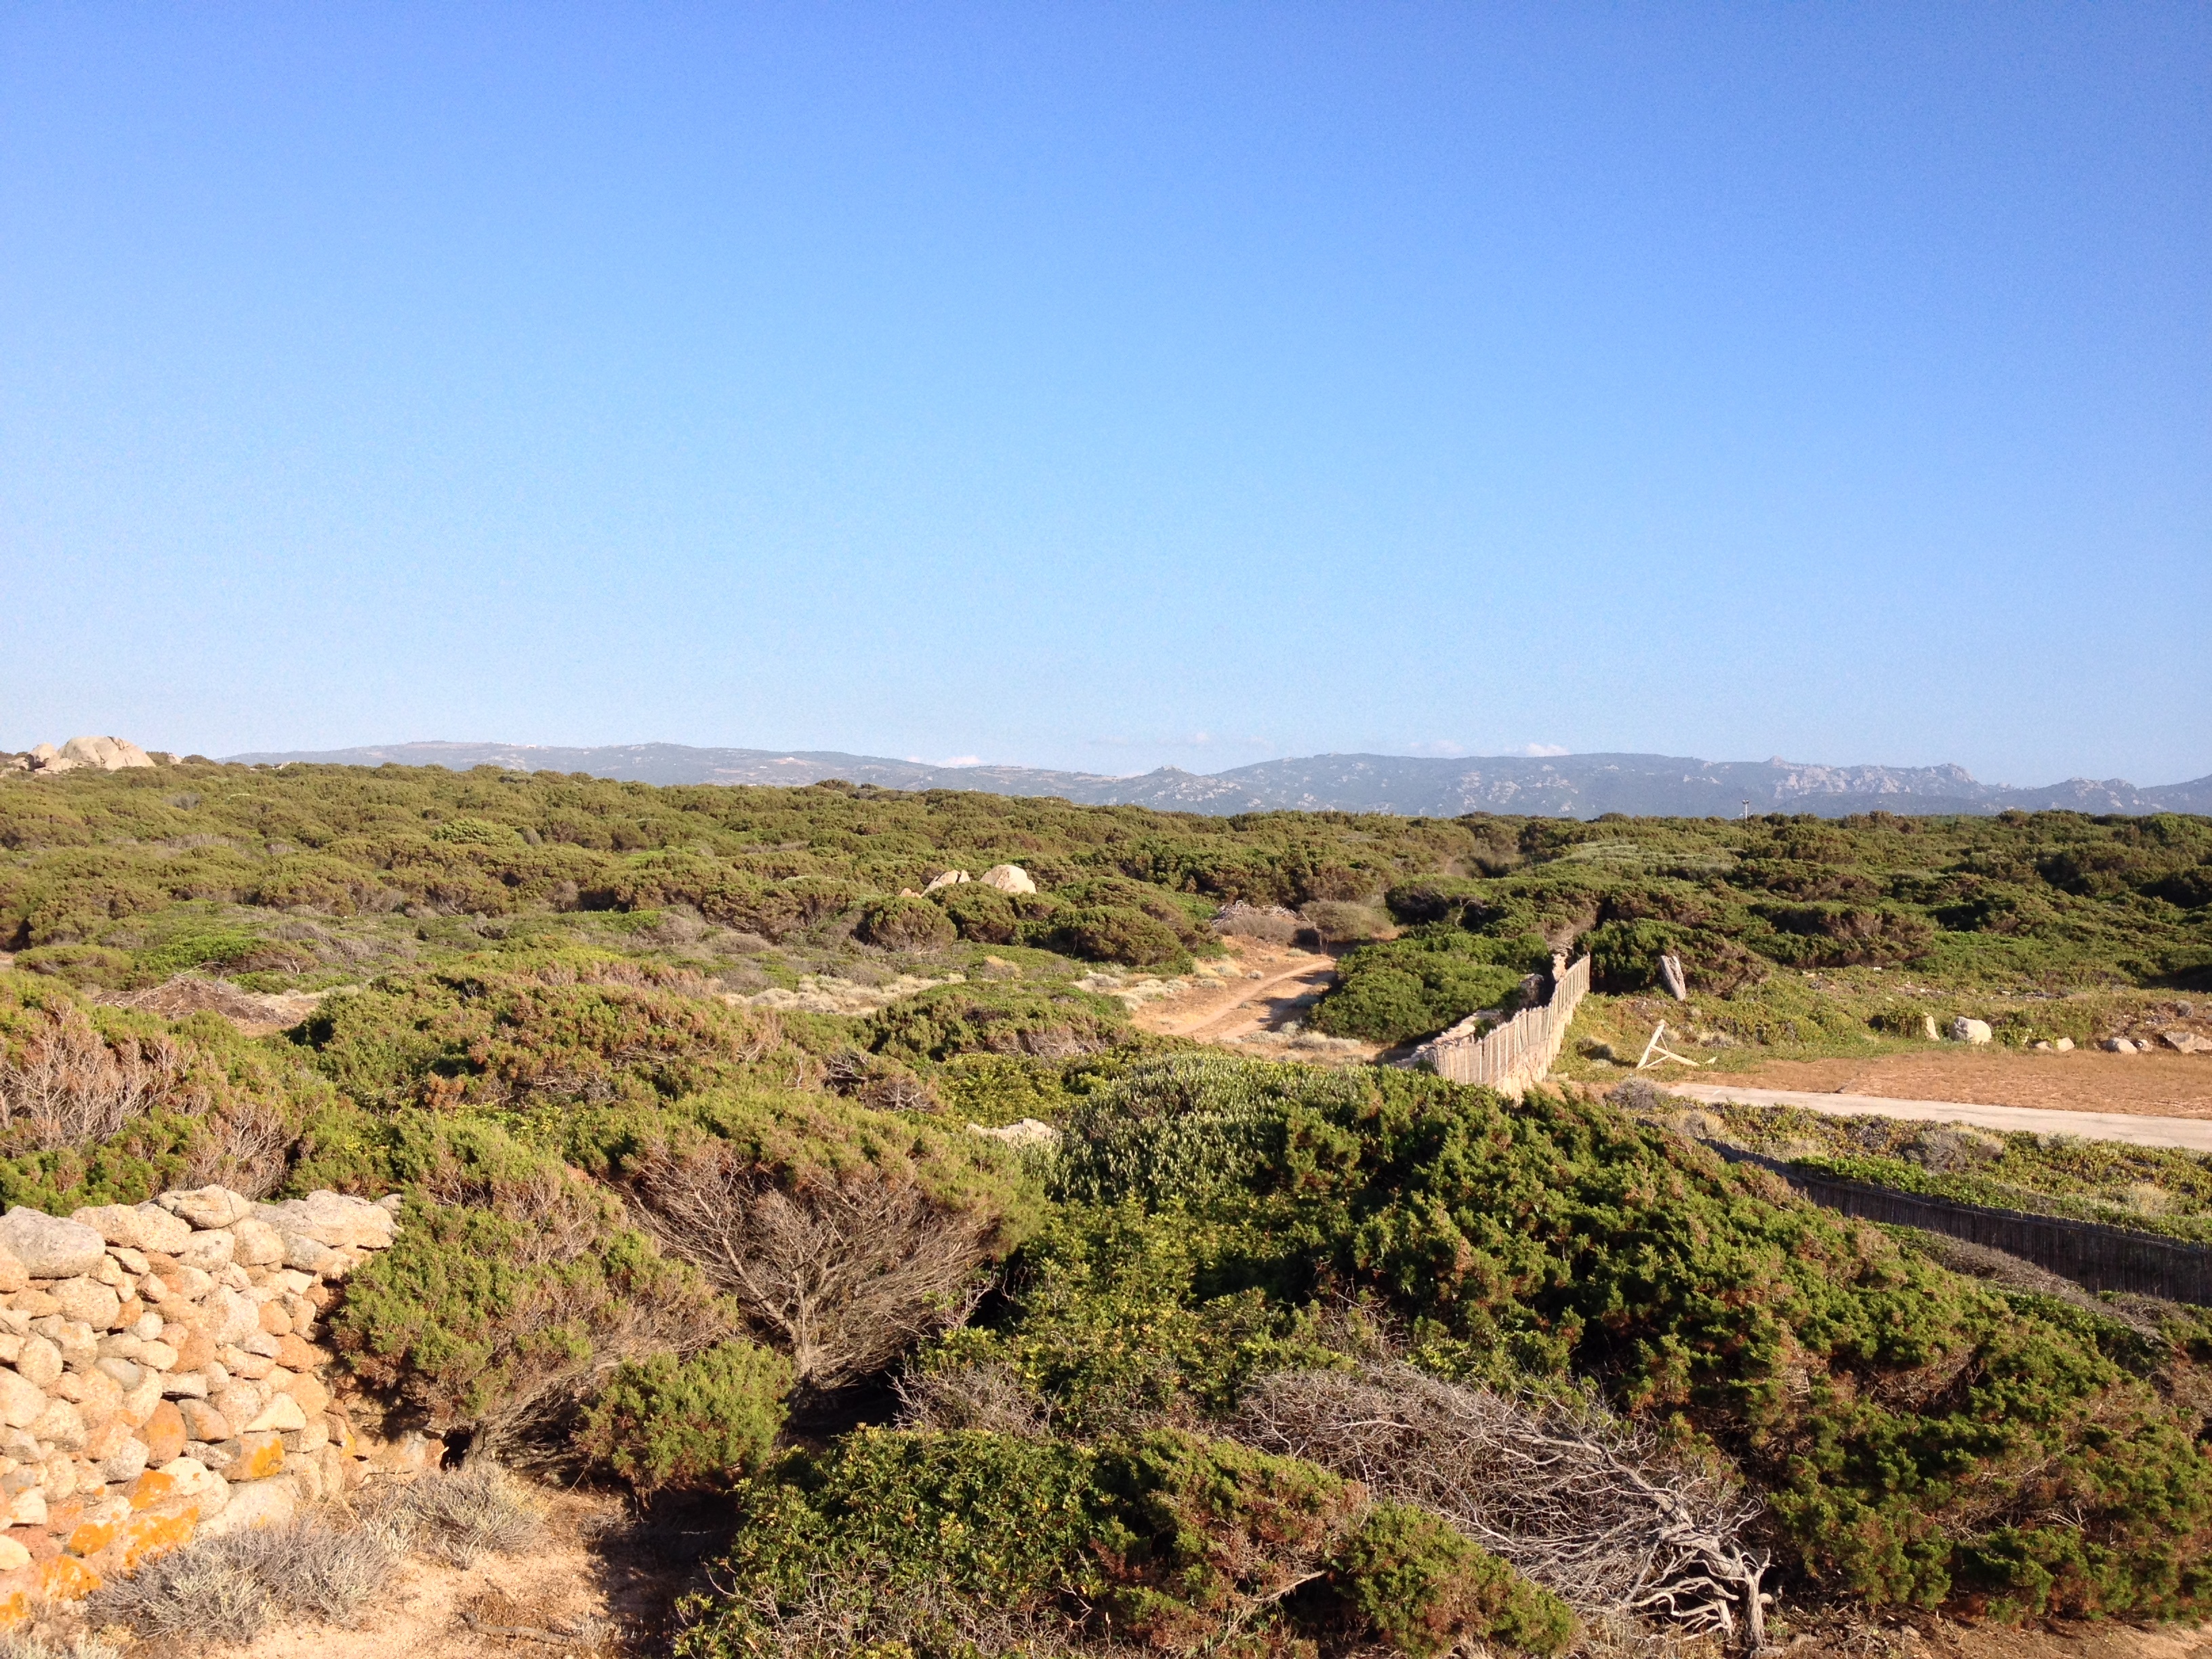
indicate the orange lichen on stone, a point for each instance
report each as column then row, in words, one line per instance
column 14, row 1606
column 145, row 1536
column 265, row 1456
column 92, row 1537
column 65, row 1579
column 150, row 1488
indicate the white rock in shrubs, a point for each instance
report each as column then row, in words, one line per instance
column 1964, row 1029
column 1008, row 878
column 1030, row 1132
column 950, row 878
column 331, row 1219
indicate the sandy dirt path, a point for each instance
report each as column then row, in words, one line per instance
column 2156, row 1084
column 1278, row 983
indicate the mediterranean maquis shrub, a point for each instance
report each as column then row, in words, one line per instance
column 956, row 1543
column 1919, row 1438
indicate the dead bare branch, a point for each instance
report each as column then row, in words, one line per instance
column 72, row 1086
column 1583, row 1502
column 848, row 1271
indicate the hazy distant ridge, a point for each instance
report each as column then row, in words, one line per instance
column 1580, row 786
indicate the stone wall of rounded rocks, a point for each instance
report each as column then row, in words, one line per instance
column 162, row 1378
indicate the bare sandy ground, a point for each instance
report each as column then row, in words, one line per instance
column 585, row 1590
column 1276, row 983
column 2156, row 1084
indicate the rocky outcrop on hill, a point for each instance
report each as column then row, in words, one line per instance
column 95, row 754
column 162, row 1379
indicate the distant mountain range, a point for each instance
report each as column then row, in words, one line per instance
column 1561, row 785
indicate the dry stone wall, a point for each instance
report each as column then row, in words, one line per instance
column 163, row 1379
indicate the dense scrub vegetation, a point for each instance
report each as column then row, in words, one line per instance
column 649, row 1225
column 320, row 875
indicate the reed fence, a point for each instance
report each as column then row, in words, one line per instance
column 1511, row 1057
column 2092, row 1254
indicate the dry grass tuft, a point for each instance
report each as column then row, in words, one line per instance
column 330, row 1567
column 83, row 1644
column 456, row 1516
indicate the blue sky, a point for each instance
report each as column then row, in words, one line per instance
column 1107, row 386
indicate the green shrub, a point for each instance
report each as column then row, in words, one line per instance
column 981, row 915
column 947, row 1543
column 1110, row 932
column 1432, row 899
column 1417, row 986
column 699, row 1420
column 489, row 1322
column 1913, row 1431
column 904, row 924
column 577, row 1027
column 995, row 1019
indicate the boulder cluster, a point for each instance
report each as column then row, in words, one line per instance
column 78, row 754
column 162, row 1378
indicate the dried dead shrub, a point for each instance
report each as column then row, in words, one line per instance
column 232, row 1586
column 848, row 1267
column 1270, row 924
column 989, row 1396
column 459, row 1516
column 244, row 1147
column 1583, row 1503
column 69, row 1085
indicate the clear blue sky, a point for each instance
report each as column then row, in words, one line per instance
column 1107, row 384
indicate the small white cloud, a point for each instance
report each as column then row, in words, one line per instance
column 1542, row 749
column 977, row 760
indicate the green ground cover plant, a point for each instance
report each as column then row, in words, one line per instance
column 1919, row 1438
column 648, row 1225
column 949, row 1544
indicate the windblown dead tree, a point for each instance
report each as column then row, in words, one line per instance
column 849, row 1269
column 1580, row 1501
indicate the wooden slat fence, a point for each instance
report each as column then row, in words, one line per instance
column 2090, row 1253
column 1520, row 1051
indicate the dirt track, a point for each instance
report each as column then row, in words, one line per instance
column 1279, row 983
column 2156, row 1084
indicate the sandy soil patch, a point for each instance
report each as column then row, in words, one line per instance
column 2155, row 1085
column 1256, row 1002
column 589, row 1587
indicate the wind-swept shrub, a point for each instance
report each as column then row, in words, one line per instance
column 1418, row 985
column 1009, row 1019
column 573, row 1027
column 956, row 1543
column 846, row 1235
column 479, row 1320
column 1110, row 932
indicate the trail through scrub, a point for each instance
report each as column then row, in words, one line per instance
column 1275, row 984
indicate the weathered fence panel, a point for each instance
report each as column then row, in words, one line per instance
column 2090, row 1253
column 1520, row 1051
